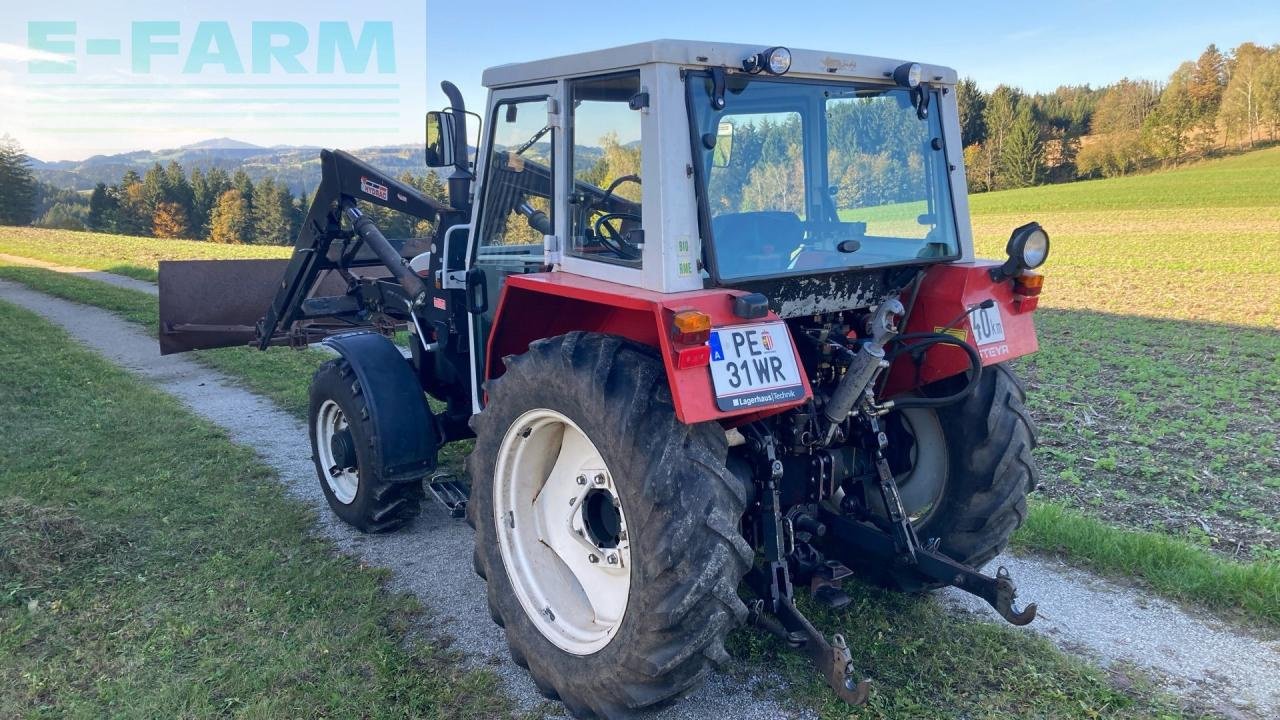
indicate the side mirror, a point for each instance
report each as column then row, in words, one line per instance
column 723, row 150
column 440, row 139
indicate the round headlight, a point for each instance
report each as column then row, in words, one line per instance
column 908, row 74
column 1035, row 250
column 779, row 60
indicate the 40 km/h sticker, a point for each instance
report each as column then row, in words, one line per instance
column 988, row 325
column 753, row 366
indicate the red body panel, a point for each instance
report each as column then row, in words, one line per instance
column 946, row 292
column 540, row 305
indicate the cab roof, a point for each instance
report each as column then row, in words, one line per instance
column 691, row 53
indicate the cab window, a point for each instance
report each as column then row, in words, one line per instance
column 604, row 202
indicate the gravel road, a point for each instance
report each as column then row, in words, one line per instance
column 1194, row 656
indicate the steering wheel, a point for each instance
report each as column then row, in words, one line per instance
column 613, row 238
column 610, row 236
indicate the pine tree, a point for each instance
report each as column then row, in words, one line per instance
column 102, row 209
column 132, row 215
column 206, row 188
column 177, row 190
column 970, row 102
column 17, row 184
column 242, row 182
column 1208, row 81
column 153, row 187
column 999, row 115
column 1022, row 157
column 273, row 222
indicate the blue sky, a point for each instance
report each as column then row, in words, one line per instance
column 1033, row 45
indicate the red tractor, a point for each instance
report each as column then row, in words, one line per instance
column 711, row 315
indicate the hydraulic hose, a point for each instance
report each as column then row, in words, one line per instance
column 926, row 340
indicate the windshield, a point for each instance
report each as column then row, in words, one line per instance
column 803, row 177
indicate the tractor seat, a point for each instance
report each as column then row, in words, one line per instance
column 756, row 243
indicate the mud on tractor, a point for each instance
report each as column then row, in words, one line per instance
column 710, row 313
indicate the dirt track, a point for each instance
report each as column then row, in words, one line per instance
column 1193, row 656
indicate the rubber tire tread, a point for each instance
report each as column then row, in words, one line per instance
column 683, row 510
column 379, row 506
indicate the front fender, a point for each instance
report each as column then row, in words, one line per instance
column 405, row 433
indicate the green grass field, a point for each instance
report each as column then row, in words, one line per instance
column 1156, row 392
column 1157, row 387
column 148, row 575
column 134, row 257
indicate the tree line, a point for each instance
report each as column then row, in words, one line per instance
column 168, row 202
column 1217, row 102
column 1012, row 139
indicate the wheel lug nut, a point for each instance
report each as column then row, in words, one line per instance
column 593, row 559
column 613, row 559
column 600, row 478
column 582, row 479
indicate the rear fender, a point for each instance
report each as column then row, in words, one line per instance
column 947, row 291
column 542, row 305
column 405, row 433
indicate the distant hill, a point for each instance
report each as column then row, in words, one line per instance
column 296, row 166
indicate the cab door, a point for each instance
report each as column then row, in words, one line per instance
column 516, row 206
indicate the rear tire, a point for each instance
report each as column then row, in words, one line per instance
column 682, row 511
column 356, row 492
column 989, row 438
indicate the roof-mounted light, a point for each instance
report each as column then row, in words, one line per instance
column 908, row 74
column 775, row 61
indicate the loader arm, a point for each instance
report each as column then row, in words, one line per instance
column 323, row 244
column 343, row 272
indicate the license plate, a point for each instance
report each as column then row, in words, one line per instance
column 988, row 325
column 754, row 366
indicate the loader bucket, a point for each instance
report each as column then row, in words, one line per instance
column 214, row 303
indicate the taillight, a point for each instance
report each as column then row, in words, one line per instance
column 1028, row 284
column 691, row 357
column 1026, row 290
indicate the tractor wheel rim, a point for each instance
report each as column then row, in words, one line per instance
column 561, row 531
column 921, row 488
column 343, row 482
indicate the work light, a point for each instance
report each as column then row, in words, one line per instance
column 908, row 74
column 775, row 61
column 1028, row 248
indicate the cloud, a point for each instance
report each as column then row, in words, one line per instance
column 21, row 53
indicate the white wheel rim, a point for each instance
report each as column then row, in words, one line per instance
column 343, row 482
column 556, row 507
column 921, row 488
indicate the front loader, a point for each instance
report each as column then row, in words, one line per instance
column 710, row 313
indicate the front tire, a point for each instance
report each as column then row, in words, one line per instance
column 679, row 506
column 342, row 440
